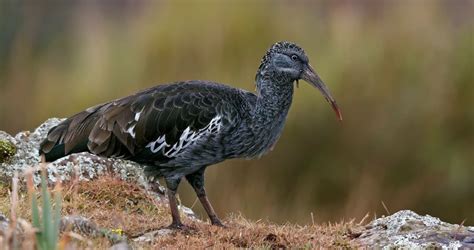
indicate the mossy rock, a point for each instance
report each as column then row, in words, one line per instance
column 7, row 151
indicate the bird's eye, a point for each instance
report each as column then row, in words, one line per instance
column 294, row 57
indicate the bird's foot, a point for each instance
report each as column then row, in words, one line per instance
column 218, row 222
column 179, row 226
column 176, row 225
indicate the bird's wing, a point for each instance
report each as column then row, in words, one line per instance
column 162, row 120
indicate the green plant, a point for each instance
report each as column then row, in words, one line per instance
column 47, row 224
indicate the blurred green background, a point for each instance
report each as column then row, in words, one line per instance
column 402, row 72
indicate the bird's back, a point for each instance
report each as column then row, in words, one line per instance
column 167, row 125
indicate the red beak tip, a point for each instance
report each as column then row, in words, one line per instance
column 337, row 110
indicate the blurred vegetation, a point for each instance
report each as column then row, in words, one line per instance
column 402, row 72
column 47, row 225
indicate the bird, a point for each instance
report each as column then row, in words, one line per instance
column 177, row 130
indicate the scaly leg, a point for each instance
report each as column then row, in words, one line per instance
column 172, row 185
column 197, row 182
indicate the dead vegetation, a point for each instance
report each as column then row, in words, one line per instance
column 125, row 208
column 244, row 233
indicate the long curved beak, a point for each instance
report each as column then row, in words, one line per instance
column 310, row 76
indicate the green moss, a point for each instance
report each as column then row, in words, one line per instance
column 7, row 151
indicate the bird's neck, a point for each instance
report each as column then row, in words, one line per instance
column 273, row 102
column 266, row 120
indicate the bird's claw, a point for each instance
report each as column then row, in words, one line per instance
column 217, row 222
column 180, row 226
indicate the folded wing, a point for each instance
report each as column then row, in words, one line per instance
column 156, row 124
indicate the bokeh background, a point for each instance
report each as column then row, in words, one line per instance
column 402, row 72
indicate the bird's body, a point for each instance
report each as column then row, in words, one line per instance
column 176, row 128
column 179, row 129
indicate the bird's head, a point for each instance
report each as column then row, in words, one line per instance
column 286, row 63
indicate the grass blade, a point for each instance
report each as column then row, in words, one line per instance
column 47, row 212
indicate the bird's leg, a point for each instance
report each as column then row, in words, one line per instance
column 197, row 182
column 210, row 211
column 172, row 185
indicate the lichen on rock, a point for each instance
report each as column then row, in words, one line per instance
column 7, row 148
column 83, row 166
column 80, row 166
column 406, row 229
column 27, row 149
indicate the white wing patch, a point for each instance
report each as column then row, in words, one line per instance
column 161, row 141
column 187, row 138
column 137, row 115
column 131, row 130
column 131, row 125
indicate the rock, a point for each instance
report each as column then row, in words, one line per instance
column 6, row 229
column 4, row 224
column 27, row 145
column 7, row 149
column 82, row 166
column 150, row 236
column 406, row 229
column 79, row 224
column 74, row 223
column 187, row 211
column 86, row 227
column 120, row 246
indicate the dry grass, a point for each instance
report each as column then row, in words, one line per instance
column 116, row 204
column 244, row 233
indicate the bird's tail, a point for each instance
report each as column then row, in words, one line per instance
column 70, row 136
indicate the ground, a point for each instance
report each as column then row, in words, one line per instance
column 107, row 201
column 125, row 208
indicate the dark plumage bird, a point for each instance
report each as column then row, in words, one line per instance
column 179, row 129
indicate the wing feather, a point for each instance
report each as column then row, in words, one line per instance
column 126, row 126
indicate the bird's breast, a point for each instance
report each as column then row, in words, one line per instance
column 254, row 140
